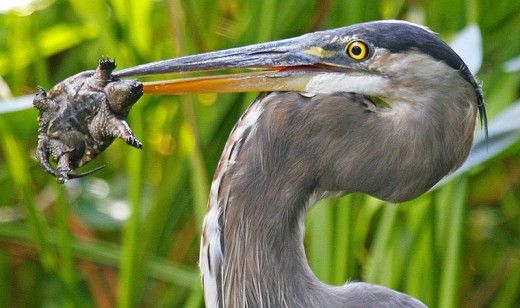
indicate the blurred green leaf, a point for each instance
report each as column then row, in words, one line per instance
column 54, row 40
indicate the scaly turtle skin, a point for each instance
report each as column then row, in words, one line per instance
column 81, row 116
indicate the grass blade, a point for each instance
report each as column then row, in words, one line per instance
column 449, row 282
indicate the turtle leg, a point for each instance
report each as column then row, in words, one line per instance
column 40, row 101
column 42, row 155
column 62, row 172
column 120, row 129
column 63, row 168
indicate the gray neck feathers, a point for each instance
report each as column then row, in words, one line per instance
column 302, row 147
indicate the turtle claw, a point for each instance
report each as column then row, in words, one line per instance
column 62, row 175
column 134, row 142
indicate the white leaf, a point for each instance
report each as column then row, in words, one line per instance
column 468, row 45
column 513, row 65
column 16, row 103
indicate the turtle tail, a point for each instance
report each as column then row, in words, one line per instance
column 80, row 175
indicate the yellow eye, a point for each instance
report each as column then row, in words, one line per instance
column 357, row 50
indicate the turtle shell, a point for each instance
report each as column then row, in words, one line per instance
column 81, row 116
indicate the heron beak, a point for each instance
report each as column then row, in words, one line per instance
column 286, row 65
column 245, row 82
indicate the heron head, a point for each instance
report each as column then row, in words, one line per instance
column 394, row 62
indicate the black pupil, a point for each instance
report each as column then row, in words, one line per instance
column 356, row 50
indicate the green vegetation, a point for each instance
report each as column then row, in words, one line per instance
column 129, row 235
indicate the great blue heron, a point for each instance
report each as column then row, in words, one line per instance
column 384, row 108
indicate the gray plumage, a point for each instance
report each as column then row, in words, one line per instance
column 308, row 143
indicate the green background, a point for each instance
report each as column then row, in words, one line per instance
column 129, row 235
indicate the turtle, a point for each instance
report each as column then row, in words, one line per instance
column 81, row 116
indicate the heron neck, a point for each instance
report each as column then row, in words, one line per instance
column 284, row 150
column 263, row 238
column 265, row 186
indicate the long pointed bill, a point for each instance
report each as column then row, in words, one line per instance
column 290, row 52
column 246, row 82
column 288, row 65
